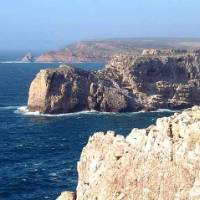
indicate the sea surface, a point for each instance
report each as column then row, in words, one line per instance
column 38, row 153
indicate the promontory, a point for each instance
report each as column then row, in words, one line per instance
column 153, row 80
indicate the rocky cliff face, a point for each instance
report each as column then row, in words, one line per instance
column 127, row 83
column 160, row 162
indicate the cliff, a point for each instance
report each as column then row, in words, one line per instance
column 159, row 162
column 127, row 83
column 88, row 51
column 104, row 50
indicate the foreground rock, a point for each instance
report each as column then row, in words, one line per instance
column 127, row 83
column 67, row 196
column 161, row 162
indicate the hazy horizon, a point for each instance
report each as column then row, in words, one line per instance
column 52, row 24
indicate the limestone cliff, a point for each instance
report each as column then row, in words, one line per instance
column 127, row 83
column 161, row 162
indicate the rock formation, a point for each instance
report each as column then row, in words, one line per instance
column 127, row 83
column 67, row 196
column 161, row 162
column 28, row 58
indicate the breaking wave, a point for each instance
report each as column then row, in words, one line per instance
column 24, row 111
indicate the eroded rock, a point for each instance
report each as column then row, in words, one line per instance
column 159, row 162
column 67, row 196
column 127, row 83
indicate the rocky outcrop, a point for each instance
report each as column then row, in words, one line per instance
column 59, row 90
column 127, row 83
column 28, row 58
column 159, row 162
column 165, row 51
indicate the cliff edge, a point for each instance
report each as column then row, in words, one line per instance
column 161, row 162
column 127, row 83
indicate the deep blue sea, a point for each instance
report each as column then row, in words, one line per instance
column 38, row 154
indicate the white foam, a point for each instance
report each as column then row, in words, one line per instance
column 166, row 110
column 12, row 62
column 21, row 62
column 8, row 108
column 24, row 111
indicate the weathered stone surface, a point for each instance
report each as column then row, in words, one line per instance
column 127, row 83
column 67, row 196
column 160, row 162
column 59, row 90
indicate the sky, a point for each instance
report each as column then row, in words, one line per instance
column 52, row 24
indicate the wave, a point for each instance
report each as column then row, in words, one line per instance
column 12, row 62
column 24, row 110
column 8, row 108
column 166, row 110
column 21, row 62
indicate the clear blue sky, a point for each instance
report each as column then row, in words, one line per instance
column 50, row 24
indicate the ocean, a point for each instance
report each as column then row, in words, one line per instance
column 39, row 153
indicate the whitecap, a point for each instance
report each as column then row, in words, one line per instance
column 24, row 110
column 53, row 174
column 166, row 110
column 12, row 62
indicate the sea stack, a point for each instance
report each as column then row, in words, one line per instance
column 127, row 83
column 28, row 58
column 159, row 162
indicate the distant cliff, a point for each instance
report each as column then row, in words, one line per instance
column 104, row 50
column 89, row 51
column 159, row 162
column 127, row 83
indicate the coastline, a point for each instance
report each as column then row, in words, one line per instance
column 139, row 165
